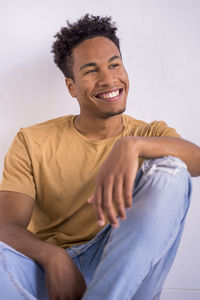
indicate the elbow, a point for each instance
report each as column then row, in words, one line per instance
column 194, row 165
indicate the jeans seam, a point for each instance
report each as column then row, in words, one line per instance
column 89, row 244
column 15, row 284
column 157, row 294
column 8, row 248
column 109, row 239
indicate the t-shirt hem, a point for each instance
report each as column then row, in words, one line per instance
column 10, row 188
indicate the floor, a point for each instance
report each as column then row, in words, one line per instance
column 174, row 294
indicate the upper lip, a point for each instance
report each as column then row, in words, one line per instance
column 108, row 91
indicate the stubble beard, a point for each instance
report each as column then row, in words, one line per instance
column 112, row 114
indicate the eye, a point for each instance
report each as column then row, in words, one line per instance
column 114, row 66
column 91, row 71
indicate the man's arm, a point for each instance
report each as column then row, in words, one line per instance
column 62, row 275
column 117, row 175
column 188, row 152
column 15, row 214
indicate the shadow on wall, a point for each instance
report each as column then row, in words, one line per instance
column 31, row 92
column 34, row 92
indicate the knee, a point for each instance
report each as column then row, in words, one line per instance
column 161, row 196
column 167, row 164
column 168, row 178
column 171, row 168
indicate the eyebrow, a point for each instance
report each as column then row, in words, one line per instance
column 93, row 64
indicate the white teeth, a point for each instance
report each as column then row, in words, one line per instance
column 110, row 95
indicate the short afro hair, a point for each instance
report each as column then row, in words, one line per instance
column 69, row 37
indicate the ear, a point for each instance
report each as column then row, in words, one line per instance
column 71, row 86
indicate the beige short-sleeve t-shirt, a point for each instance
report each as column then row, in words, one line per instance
column 56, row 165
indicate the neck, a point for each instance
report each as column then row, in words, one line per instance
column 99, row 128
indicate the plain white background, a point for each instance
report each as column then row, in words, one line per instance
column 161, row 51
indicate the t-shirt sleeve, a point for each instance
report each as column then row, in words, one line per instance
column 18, row 172
column 160, row 129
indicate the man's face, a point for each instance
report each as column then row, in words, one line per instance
column 101, row 81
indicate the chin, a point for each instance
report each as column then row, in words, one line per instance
column 114, row 113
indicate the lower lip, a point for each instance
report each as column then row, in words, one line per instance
column 118, row 97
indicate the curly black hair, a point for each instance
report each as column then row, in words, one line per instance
column 85, row 28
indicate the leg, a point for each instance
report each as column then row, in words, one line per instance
column 87, row 256
column 23, row 279
column 139, row 254
column 20, row 277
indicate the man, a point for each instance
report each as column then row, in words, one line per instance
column 67, row 178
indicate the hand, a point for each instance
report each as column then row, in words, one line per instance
column 63, row 279
column 115, row 180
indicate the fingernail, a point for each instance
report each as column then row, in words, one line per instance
column 114, row 225
column 90, row 199
column 101, row 222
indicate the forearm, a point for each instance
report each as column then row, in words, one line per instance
column 62, row 278
column 27, row 243
column 153, row 147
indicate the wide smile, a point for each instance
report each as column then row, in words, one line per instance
column 110, row 96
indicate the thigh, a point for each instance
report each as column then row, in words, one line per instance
column 21, row 274
column 87, row 256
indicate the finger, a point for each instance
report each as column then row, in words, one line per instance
column 118, row 198
column 128, row 189
column 91, row 199
column 97, row 201
column 107, row 202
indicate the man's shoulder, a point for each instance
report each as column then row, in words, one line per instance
column 148, row 129
column 56, row 122
column 50, row 128
column 134, row 122
column 143, row 124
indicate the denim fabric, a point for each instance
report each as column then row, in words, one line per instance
column 130, row 262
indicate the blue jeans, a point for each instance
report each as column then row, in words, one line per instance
column 130, row 262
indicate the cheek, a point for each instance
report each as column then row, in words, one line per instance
column 121, row 73
column 83, row 89
column 125, row 78
column 87, row 86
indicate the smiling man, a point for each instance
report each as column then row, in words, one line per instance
column 93, row 206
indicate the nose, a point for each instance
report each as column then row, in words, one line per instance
column 106, row 78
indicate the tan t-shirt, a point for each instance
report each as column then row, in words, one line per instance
column 56, row 165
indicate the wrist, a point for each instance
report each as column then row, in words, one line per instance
column 50, row 255
column 135, row 144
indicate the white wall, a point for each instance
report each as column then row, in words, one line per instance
column 161, row 50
